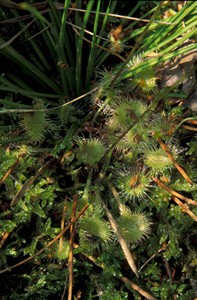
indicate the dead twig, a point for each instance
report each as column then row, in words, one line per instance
column 9, row 111
column 16, row 35
column 137, row 288
column 124, row 279
column 162, row 185
column 116, row 196
column 70, row 258
column 167, row 267
column 192, row 121
column 121, row 241
column 185, row 208
column 189, row 127
column 47, row 245
column 4, row 238
column 62, row 226
column 96, row 45
column 9, row 171
column 181, row 171
column 153, row 256
column 11, row 4
column 29, row 182
column 122, row 16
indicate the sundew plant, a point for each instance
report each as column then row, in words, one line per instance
column 98, row 150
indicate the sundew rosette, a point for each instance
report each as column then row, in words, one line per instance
column 132, row 183
column 90, row 151
column 134, row 226
column 124, row 113
column 158, row 161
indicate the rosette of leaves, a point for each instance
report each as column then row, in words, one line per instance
column 145, row 80
column 124, row 113
column 157, row 160
column 134, row 226
column 35, row 123
column 94, row 229
column 132, row 183
column 90, row 151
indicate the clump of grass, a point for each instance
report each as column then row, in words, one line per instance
column 121, row 134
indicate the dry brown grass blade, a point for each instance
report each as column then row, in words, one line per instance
column 62, row 226
column 185, row 208
column 121, row 16
column 49, row 244
column 163, row 186
column 189, row 127
column 130, row 283
column 181, row 171
column 29, row 182
column 116, row 196
column 9, row 171
column 167, row 267
column 96, row 45
column 4, row 238
column 152, row 256
column 121, row 241
column 137, row 288
column 16, row 35
column 22, row 190
column 192, row 122
column 10, row 111
column 11, row 4
column 70, row 258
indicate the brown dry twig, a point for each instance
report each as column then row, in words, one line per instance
column 47, row 245
column 29, row 182
column 192, row 122
column 4, row 238
column 96, row 45
column 180, row 169
column 167, row 267
column 185, row 208
column 120, row 16
column 153, row 256
column 11, row 4
column 162, row 185
column 137, row 288
column 9, row 171
column 9, row 111
column 70, row 258
column 116, row 196
column 189, row 127
column 121, row 241
column 123, row 279
column 16, row 35
column 62, row 226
